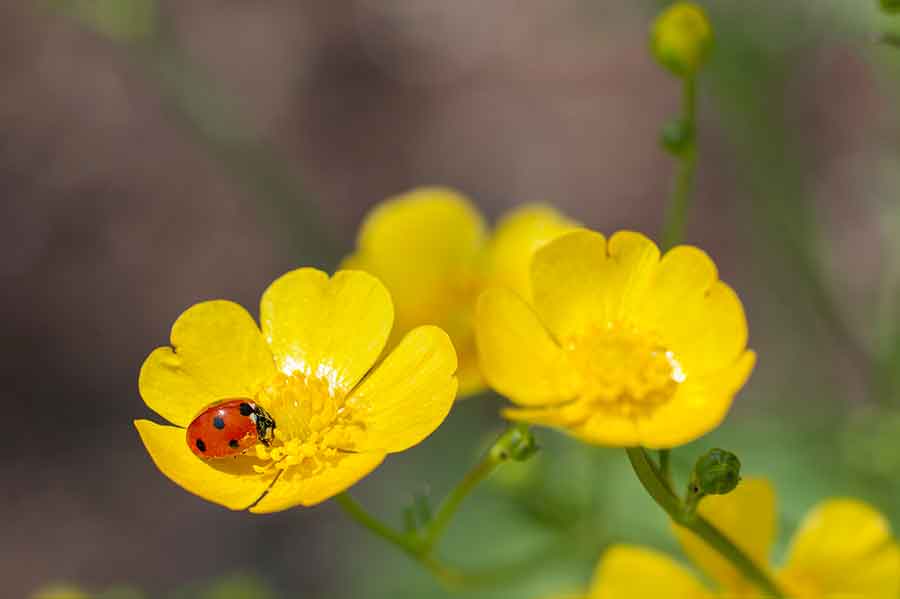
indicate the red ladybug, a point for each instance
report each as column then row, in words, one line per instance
column 229, row 429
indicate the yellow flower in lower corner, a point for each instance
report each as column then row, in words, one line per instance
column 843, row 549
column 432, row 249
column 313, row 369
column 620, row 347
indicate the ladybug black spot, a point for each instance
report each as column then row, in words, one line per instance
column 233, row 444
column 218, row 422
column 246, row 409
column 201, row 445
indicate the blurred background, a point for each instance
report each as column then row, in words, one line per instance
column 155, row 154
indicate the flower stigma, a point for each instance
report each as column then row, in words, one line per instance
column 314, row 424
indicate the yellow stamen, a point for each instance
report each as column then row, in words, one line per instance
column 623, row 371
column 312, row 423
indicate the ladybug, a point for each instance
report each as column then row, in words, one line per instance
column 229, row 428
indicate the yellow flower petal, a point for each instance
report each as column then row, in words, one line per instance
column 698, row 406
column 229, row 482
column 293, row 489
column 515, row 240
column 700, row 319
column 419, row 244
column 426, row 247
column 844, row 548
column 579, row 280
column 333, row 328
column 408, row 395
column 599, row 429
column 217, row 353
column 627, row 572
column 518, row 357
column 747, row 517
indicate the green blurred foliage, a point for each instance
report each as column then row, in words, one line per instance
column 231, row 586
column 121, row 20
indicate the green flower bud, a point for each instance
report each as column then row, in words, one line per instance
column 681, row 38
column 716, row 472
column 677, row 136
column 890, row 6
column 517, row 444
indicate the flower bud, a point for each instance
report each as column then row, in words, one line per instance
column 517, row 443
column 677, row 136
column 681, row 38
column 891, row 6
column 716, row 472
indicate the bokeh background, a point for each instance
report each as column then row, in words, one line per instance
column 154, row 154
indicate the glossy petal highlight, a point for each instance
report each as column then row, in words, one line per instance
column 699, row 406
column 293, row 488
column 231, row 483
column 517, row 354
column 217, row 353
column 747, row 517
column 627, row 572
column 845, row 548
column 409, row 394
column 333, row 328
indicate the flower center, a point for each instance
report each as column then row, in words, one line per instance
column 313, row 424
column 623, row 370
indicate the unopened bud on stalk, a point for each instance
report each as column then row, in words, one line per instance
column 716, row 472
column 681, row 38
column 677, row 136
column 517, row 444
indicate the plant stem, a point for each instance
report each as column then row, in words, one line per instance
column 659, row 490
column 515, row 443
column 665, row 465
column 356, row 511
column 451, row 503
column 680, row 200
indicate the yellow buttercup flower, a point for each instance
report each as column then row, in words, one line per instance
column 312, row 368
column 620, row 347
column 432, row 249
column 844, row 549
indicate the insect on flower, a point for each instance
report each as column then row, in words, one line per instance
column 229, row 429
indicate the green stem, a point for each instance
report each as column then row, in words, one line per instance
column 665, row 465
column 451, row 503
column 363, row 517
column 404, row 542
column 661, row 493
column 515, row 443
column 680, row 200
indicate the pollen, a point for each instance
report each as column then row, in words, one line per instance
column 313, row 424
column 622, row 371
